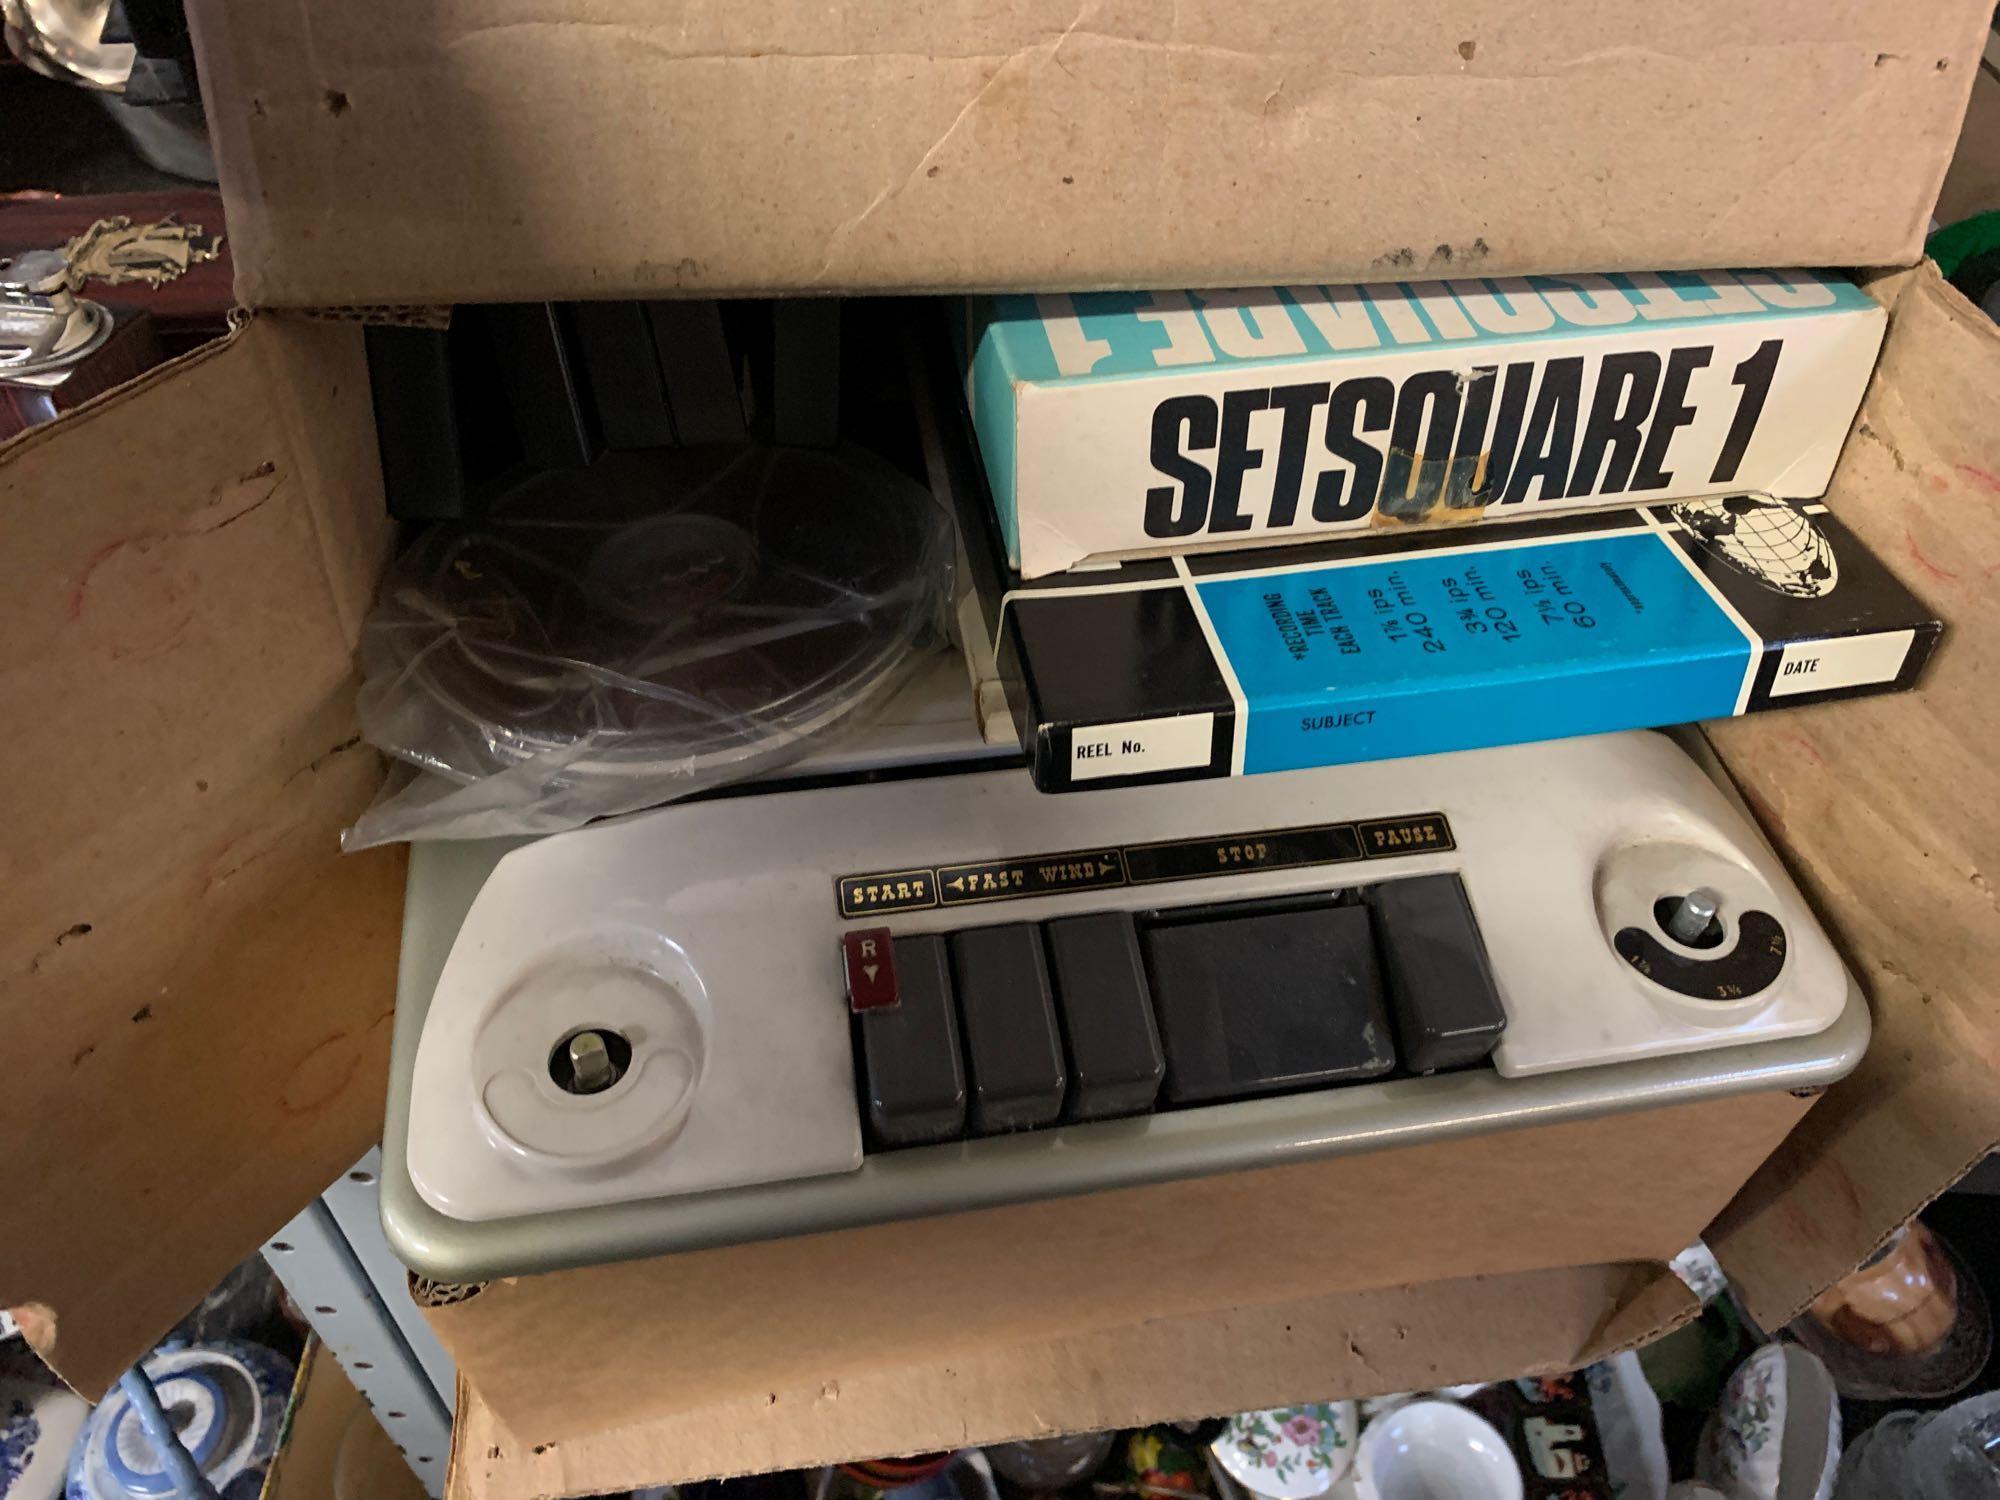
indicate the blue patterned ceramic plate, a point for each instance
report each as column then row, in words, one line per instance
column 227, row 1402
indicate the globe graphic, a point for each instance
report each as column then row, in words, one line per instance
column 1768, row 541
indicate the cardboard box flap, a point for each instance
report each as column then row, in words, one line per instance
column 770, row 145
column 1343, row 1345
column 1889, row 814
column 196, row 986
column 750, row 1318
column 333, row 1446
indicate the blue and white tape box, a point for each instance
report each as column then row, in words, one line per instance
column 1386, row 646
column 1116, row 425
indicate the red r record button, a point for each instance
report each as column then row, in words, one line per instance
column 871, row 968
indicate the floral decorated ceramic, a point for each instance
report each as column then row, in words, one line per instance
column 1289, row 1452
column 1776, row 1433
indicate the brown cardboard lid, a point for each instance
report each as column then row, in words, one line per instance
column 394, row 153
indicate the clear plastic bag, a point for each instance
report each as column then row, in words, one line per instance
column 1957, row 1454
column 667, row 622
column 1913, row 1455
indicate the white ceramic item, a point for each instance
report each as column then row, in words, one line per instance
column 1433, row 1450
column 1775, row 1435
column 39, row 1421
column 1629, row 1427
column 1289, row 1452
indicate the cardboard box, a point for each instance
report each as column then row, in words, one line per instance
column 1409, row 1337
column 394, row 153
column 332, row 1447
column 1120, row 425
column 195, row 986
column 792, row 1314
column 1881, row 809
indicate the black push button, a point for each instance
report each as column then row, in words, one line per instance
column 1013, row 1052
column 914, row 1076
column 1441, row 992
column 1115, row 1062
column 1266, row 1003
